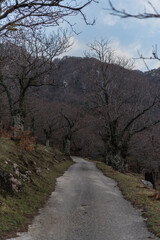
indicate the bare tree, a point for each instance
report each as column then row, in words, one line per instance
column 154, row 13
column 51, row 122
column 49, row 129
column 73, row 121
column 26, row 62
column 123, row 109
column 27, row 13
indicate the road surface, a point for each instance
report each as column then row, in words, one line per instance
column 86, row 205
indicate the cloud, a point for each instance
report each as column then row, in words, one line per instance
column 136, row 7
column 77, row 48
column 130, row 6
column 128, row 51
column 131, row 52
column 153, row 6
column 127, row 36
column 133, row 6
column 107, row 19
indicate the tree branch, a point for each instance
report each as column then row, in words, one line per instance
column 31, row 13
column 123, row 14
column 138, row 116
column 144, row 128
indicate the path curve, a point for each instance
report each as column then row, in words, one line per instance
column 86, row 205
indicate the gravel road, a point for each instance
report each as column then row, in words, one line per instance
column 87, row 206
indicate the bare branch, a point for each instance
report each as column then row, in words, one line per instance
column 29, row 57
column 138, row 116
column 29, row 13
column 123, row 14
column 147, row 127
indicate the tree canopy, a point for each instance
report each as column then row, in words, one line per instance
column 27, row 13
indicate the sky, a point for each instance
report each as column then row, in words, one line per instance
column 127, row 36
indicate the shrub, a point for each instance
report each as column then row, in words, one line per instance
column 6, row 134
column 25, row 140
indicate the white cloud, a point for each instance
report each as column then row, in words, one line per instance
column 128, row 51
column 77, row 48
column 131, row 52
column 107, row 19
column 155, row 5
column 136, row 7
column 126, row 35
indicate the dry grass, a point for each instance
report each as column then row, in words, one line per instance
column 135, row 191
column 16, row 212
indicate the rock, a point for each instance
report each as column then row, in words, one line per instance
column 38, row 170
column 10, row 183
column 17, row 173
column 147, row 183
column 16, row 184
column 26, row 177
column 5, row 182
column 15, row 166
column 16, row 170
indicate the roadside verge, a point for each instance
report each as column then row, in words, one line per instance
column 135, row 191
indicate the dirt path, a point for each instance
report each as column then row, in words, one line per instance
column 87, row 206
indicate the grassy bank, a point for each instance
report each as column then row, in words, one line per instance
column 36, row 173
column 134, row 191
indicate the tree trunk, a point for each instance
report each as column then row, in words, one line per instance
column 67, row 146
column 1, row 125
column 18, row 122
column 32, row 127
column 116, row 154
column 108, row 158
column 117, row 161
column 47, row 142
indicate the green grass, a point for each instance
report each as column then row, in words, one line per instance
column 134, row 190
column 17, row 212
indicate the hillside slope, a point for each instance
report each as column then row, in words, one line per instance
column 26, row 181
